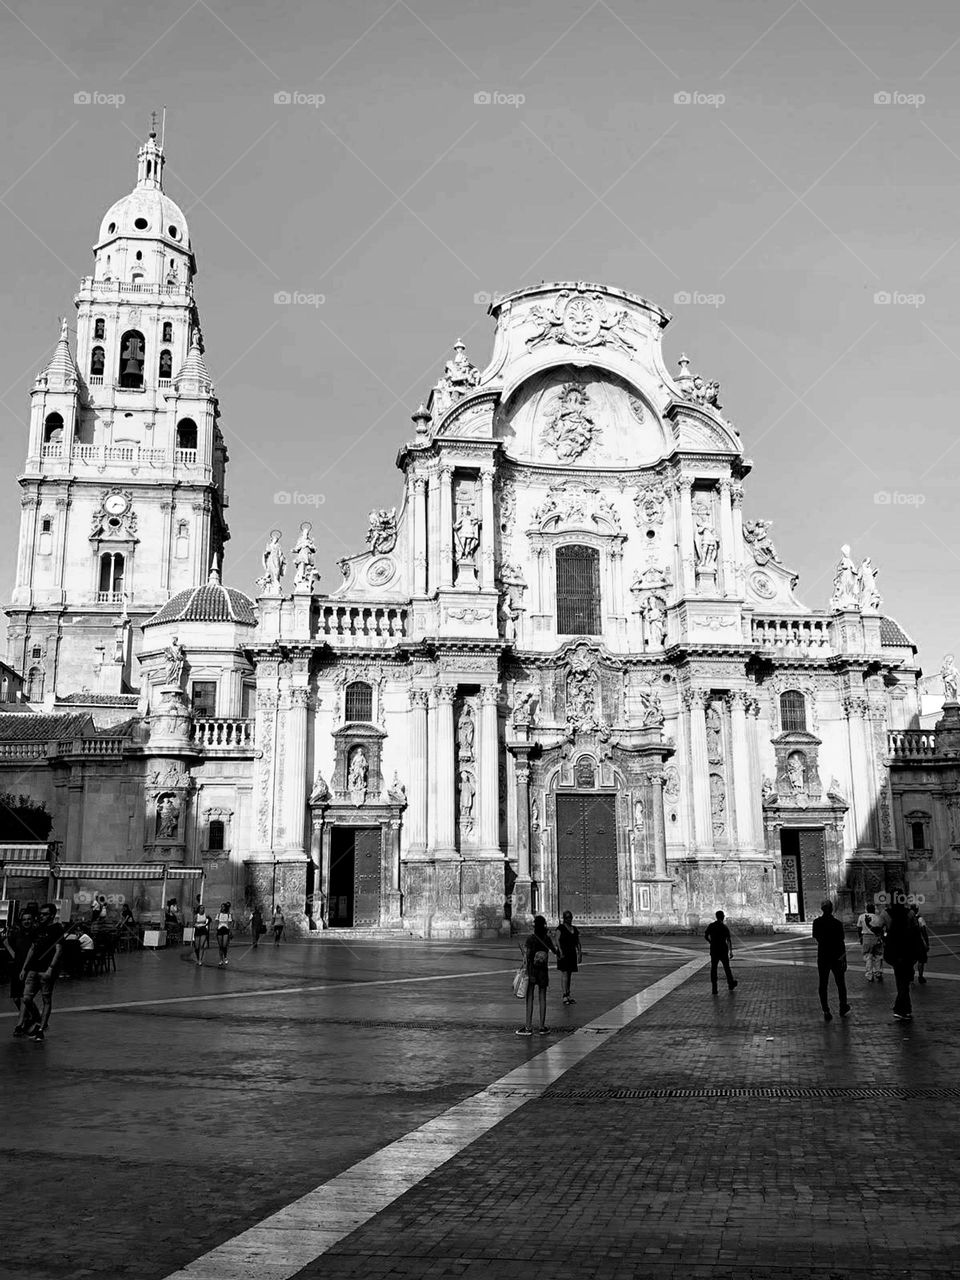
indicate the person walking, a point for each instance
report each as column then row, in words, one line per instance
column 278, row 923
column 201, row 932
column 870, row 933
column 904, row 947
column 569, row 954
column 831, row 959
column 925, row 938
column 17, row 942
column 256, row 926
column 721, row 950
column 536, row 953
column 224, row 932
column 39, row 973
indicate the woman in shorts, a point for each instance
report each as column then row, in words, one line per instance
column 224, row 932
column 277, row 925
column 536, row 953
column 201, row 933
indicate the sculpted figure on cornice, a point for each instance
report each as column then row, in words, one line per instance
column 274, row 565
column 575, row 505
column 950, row 677
column 756, row 532
column 304, row 573
column 581, row 319
column 570, row 430
column 459, row 377
column 846, row 582
column 382, row 534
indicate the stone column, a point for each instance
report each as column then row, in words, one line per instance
column 419, row 536
column 29, row 506
column 433, row 530
column 266, row 732
column 442, row 759
column 742, row 771
column 416, row 815
column 857, row 709
column 489, row 772
column 739, row 548
column 702, row 812
column 654, row 800
column 756, row 794
column 166, row 543
column 726, row 540
column 446, row 526
column 521, row 890
column 295, row 766
column 686, row 570
column 62, row 506
column 486, row 530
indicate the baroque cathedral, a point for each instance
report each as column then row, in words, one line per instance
column 568, row 670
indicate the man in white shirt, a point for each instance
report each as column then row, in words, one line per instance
column 870, row 933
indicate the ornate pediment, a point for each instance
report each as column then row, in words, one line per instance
column 576, row 507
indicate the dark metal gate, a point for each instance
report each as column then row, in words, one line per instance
column 587, row 870
column 578, row 591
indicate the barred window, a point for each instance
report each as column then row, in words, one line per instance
column 359, row 702
column 793, row 712
column 578, row 591
column 918, row 834
column 215, row 836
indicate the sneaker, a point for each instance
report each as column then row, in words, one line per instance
column 522, row 1031
column 543, row 1031
column 37, row 1035
column 567, row 1000
column 903, row 1017
column 845, row 1009
column 827, row 1015
column 570, row 999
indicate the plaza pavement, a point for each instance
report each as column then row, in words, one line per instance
column 345, row 1110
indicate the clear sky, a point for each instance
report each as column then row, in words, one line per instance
column 783, row 198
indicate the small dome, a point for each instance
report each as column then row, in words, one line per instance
column 212, row 602
column 161, row 216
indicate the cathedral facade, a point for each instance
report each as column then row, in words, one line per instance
column 568, row 670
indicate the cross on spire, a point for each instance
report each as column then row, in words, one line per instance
column 153, row 123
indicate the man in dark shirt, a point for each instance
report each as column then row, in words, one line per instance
column 721, row 949
column 831, row 958
column 903, row 947
column 18, row 941
column 39, row 972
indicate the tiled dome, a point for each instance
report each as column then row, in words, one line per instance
column 213, row 602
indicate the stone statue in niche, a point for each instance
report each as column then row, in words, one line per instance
column 523, row 707
column 714, row 736
column 870, row 598
column 650, row 703
column 950, row 677
column 705, row 538
column 357, row 776
column 570, row 430
column 653, row 610
column 274, row 565
column 757, row 534
column 846, row 582
column 168, row 818
column 638, row 814
column 175, row 662
column 466, row 532
column 304, row 573
column 466, row 733
column 320, row 790
column 382, row 534
column 718, row 804
column 468, row 793
column 584, row 774
column 796, row 772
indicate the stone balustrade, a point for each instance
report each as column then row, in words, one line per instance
column 223, row 732
column 911, row 744
column 790, row 632
column 355, row 622
column 22, row 750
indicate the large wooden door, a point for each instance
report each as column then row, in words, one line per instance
column 366, row 864
column 587, row 870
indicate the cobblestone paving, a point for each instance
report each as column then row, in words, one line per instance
column 140, row 1137
column 738, row 1187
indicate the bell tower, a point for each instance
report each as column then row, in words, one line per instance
column 122, row 496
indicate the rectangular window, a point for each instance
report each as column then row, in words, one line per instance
column 248, row 701
column 918, row 835
column 203, row 698
column 578, row 591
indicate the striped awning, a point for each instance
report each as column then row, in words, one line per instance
column 24, row 870
column 124, row 871
column 21, row 853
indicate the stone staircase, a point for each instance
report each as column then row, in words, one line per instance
column 378, row 933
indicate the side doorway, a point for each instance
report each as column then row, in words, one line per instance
column 804, row 868
column 353, row 897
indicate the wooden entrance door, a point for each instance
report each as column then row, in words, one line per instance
column 803, row 861
column 587, row 870
column 354, row 893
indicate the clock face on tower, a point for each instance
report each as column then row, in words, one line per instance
column 116, row 504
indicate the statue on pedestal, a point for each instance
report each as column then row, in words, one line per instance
column 357, row 779
column 846, row 582
column 304, row 572
column 950, row 677
column 467, row 536
column 320, row 790
column 168, row 817
column 706, row 542
column 175, row 662
column 870, row 599
column 466, row 732
column 274, row 565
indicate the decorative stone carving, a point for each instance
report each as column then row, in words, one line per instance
column 382, row 534
column 649, row 504
column 114, row 516
column 383, row 570
column 507, row 504
column 576, row 506
column 357, row 774
column 304, row 571
column 580, row 319
column 320, row 791
column 718, row 805
column 175, row 662
column 638, row 409
column 671, row 782
column 756, row 533
column 524, row 707
column 274, row 565
column 835, row 791
column 570, row 430
column 468, row 614
column 762, row 584
column 466, row 733
column 846, row 582
column 585, row 773
column 870, row 598
column 459, row 378
column 651, row 710
column 950, row 677
column 466, row 533
column 705, row 539
column 467, row 792
column 168, row 817
column 397, row 792
column 714, row 725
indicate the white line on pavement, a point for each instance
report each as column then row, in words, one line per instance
column 287, row 1241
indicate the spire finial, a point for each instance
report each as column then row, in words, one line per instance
column 153, row 124
column 214, row 579
column 63, row 328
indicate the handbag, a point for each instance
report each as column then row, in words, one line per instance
column 520, row 982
